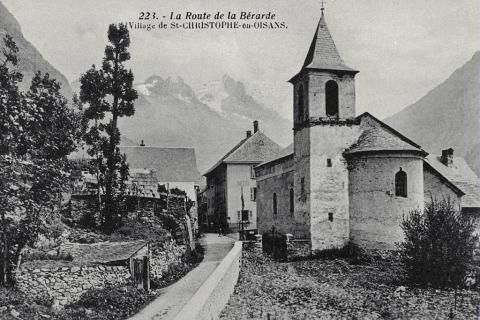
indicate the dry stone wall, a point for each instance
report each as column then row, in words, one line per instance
column 64, row 285
column 161, row 261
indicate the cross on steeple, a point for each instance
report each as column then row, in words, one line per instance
column 322, row 6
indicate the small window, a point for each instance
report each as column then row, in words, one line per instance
column 275, row 203
column 252, row 172
column 330, row 216
column 329, row 162
column 302, row 185
column 401, row 184
column 292, row 202
column 253, row 194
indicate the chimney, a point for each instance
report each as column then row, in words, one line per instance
column 249, row 133
column 447, row 157
column 255, row 126
column 142, row 144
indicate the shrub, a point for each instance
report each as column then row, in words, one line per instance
column 112, row 302
column 438, row 246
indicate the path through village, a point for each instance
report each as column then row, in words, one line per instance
column 172, row 299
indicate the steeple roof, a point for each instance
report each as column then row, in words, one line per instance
column 323, row 54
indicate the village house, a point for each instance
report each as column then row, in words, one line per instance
column 347, row 177
column 151, row 167
column 231, row 186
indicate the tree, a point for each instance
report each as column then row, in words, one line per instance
column 109, row 90
column 37, row 132
column 438, row 246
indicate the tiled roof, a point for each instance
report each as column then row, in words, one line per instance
column 102, row 252
column 376, row 136
column 170, row 164
column 253, row 149
column 462, row 176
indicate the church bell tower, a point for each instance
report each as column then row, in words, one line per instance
column 324, row 126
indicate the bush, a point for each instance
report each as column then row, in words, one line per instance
column 111, row 302
column 438, row 246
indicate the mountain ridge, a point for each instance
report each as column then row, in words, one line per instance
column 30, row 59
column 448, row 115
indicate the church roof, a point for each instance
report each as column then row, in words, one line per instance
column 461, row 175
column 170, row 164
column 378, row 137
column 253, row 149
column 323, row 54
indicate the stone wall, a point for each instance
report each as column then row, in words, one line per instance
column 435, row 188
column 65, row 284
column 302, row 172
column 279, row 182
column 329, row 189
column 375, row 211
column 210, row 299
column 162, row 260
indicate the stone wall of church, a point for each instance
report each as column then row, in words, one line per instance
column 302, row 173
column 280, row 181
column 434, row 188
column 375, row 211
column 329, row 208
column 346, row 94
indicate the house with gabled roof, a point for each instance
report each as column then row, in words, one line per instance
column 231, row 187
column 347, row 177
column 153, row 170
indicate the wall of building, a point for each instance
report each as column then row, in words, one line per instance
column 329, row 185
column 316, row 94
column 280, row 182
column 302, row 171
column 65, row 284
column 210, row 299
column 216, row 196
column 238, row 178
column 435, row 188
column 375, row 212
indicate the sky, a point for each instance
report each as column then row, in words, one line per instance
column 403, row 48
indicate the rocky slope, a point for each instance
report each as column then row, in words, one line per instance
column 30, row 60
column 448, row 115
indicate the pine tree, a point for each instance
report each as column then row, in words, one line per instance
column 110, row 95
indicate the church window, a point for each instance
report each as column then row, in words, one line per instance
column 301, row 104
column 330, row 216
column 331, row 99
column 275, row 209
column 401, row 184
column 252, row 172
column 329, row 162
column 292, row 201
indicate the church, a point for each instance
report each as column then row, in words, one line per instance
column 348, row 177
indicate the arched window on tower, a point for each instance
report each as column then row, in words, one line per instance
column 301, row 104
column 331, row 99
column 401, row 184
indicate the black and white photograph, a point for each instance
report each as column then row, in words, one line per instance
column 234, row 160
